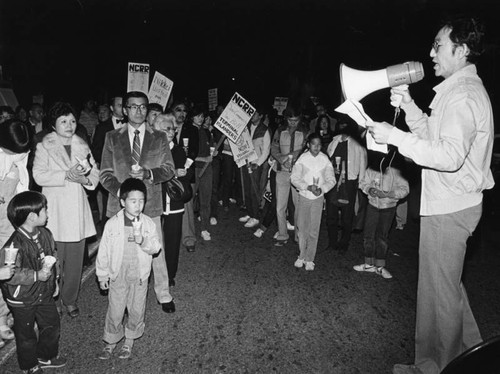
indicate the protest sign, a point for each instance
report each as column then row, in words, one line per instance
column 235, row 117
column 160, row 89
column 280, row 104
column 138, row 77
column 212, row 99
column 243, row 149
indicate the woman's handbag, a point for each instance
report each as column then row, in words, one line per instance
column 178, row 190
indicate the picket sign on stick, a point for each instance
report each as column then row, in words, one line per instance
column 223, row 137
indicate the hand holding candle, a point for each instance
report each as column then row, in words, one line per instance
column 48, row 262
column 137, row 225
column 10, row 254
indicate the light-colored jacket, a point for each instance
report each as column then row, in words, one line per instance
column 390, row 180
column 454, row 144
column 356, row 157
column 70, row 216
column 110, row 253
column 307, row 169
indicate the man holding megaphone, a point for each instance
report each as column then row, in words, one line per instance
column 454, row 146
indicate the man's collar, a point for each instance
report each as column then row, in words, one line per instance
column 141, row 128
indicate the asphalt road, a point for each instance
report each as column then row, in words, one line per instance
column 243, row 308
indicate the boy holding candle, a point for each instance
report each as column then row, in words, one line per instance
column 30, row 291
column 123, row 265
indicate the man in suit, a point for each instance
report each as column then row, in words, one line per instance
column 137, row 144
column 186, row 135
column 115, row 121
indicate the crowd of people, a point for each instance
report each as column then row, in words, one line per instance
column 151, row 174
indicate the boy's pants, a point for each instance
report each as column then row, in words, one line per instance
column 29, row 348
column 130, row 295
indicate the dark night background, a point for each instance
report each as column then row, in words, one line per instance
column 74, row 49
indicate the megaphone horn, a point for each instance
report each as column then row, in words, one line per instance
column 356, row 84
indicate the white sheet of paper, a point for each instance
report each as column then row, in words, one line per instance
column 355, row 110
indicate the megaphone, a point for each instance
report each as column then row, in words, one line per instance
column 356, row 84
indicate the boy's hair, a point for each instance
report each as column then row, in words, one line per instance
column 23, row 204
column 132, row 184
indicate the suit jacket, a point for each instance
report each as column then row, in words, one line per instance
column 116, row 164
column 99, row 137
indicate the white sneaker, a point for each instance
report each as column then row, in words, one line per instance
column 299, row 263
column 220, row 202
column 205, row 235
column 258, row 233
column 276, row 235
column 232, row 201
column 252, row 222
column 365, row 267
column 289, row 226
column 309, row 265
column 213, row 221
column 384, row 273
column 244, row 219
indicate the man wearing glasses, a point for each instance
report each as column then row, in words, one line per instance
column 137, row 150
column 454, row 145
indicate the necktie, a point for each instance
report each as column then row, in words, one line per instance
column 136, row 149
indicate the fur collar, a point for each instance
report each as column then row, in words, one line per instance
column 79, row 148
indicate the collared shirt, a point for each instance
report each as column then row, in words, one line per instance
column 131, row 134
column 454, row 143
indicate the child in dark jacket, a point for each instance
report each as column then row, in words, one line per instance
column 30, row 292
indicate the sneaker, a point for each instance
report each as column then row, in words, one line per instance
column 252, row 222
column 276, row 235
column 299, row 262
column 35, row 369
column 365, row 267
column 258, row 233
column 56, row 362
column 125, row 352
column 213, row 221
column 406, row 369
column 220, row 202
column 400, row 226
column 309, row 265
column 280, row 243
column 383, row 272
column 244, row 219
column 289, row 226
column 205, row 235
column 232, row 201
column 106, row 353
column 6, row 333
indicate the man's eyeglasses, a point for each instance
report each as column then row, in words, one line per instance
column 134, row 107
column 436, row 45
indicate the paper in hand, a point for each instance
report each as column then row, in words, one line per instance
column 355, row 110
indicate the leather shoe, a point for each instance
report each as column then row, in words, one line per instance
column 73, row 311
column 168, row 307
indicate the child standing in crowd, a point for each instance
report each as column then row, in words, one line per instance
column 312, row 175
column 384, row 187
column 123, row 266
column 31, row 290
